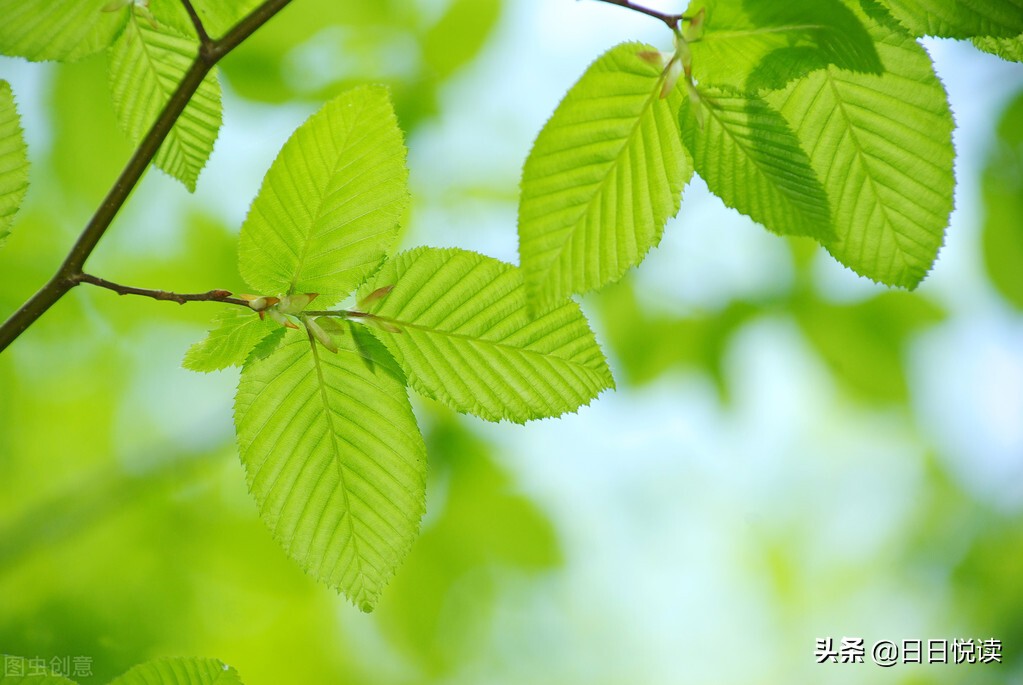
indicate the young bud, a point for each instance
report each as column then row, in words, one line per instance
column 325, row 339
column 295, row 304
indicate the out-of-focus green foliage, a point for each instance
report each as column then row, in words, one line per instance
column 1003, row 205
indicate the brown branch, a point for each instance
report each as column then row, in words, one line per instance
column 200, row 30
column 223, row 296
column 672, row 20
column 210, row 53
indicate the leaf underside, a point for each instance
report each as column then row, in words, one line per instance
column 146, row 66
column 751, row 159
column 180, row 671
column 882, row 146
column 764, row 44
column 1009, row 49
column 334, row 459
column 13, row 161
column 959, row 18
column 605, row 174
column 330, row 204
column 459, row 327
column 62, row 30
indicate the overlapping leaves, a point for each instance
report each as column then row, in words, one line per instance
column 331, row 448
column 814, row 118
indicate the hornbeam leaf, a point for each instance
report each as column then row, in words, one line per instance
column 146, row 66
column 1009, row 49
column 334, row 459
column 959, row 18
column 751, row 159
column 62, row 30
column 13, row 161
column 882, row 146
column 605, row 174
column 180, row 671
column 329, row 207
column 764, row 44
column 459, row 327
column 229, row 343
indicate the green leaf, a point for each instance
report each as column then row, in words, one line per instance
column 335, row 460
column 1009, row 49
column 459, row 35
column 882, row 146
column 329, row 207
column 458, row 325
column 146, row 66
column 605, row 174
column 180, row 671
column 1002, row 192
column 751, row 159
column 13, row 161
column 229, row 343
column 959, row 18
column 62, row 30
column 764, row 44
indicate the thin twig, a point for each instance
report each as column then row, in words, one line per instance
column 65, row 278
column 200, row 30
column 223, row 296
column 672, row 20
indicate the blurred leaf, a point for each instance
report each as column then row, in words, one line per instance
column 180, row 671
column 865, row 343
column 457, row 323
column 751, row 159
column 62, row 30
column 147, row 65
column 882, row 146
column 604, row 176
column 22, row 671
column 484, row 528
column 459, row 36
column 88, row 150
column 329, row 206
column 1002, row 192
column 648, row 344
column 13, row 161
column 335, row 460
column 764, row 44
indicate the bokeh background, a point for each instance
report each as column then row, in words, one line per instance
column 792, row 453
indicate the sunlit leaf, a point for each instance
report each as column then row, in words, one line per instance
column 1009, row 49
column 959, row 18
column 751, row 159
column 62, row 30
column 605, row 174
column 180, row 671
column 882, row 146
column 146, row 66
column 229, row 343
column 758, row 44
column 335, row 460
column 459, row 327
column 329, row 207
column 13, row 161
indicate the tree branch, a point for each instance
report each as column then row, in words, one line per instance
column 223, row 296
column 69, row 273
column 672, row 20
column 200, row 30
